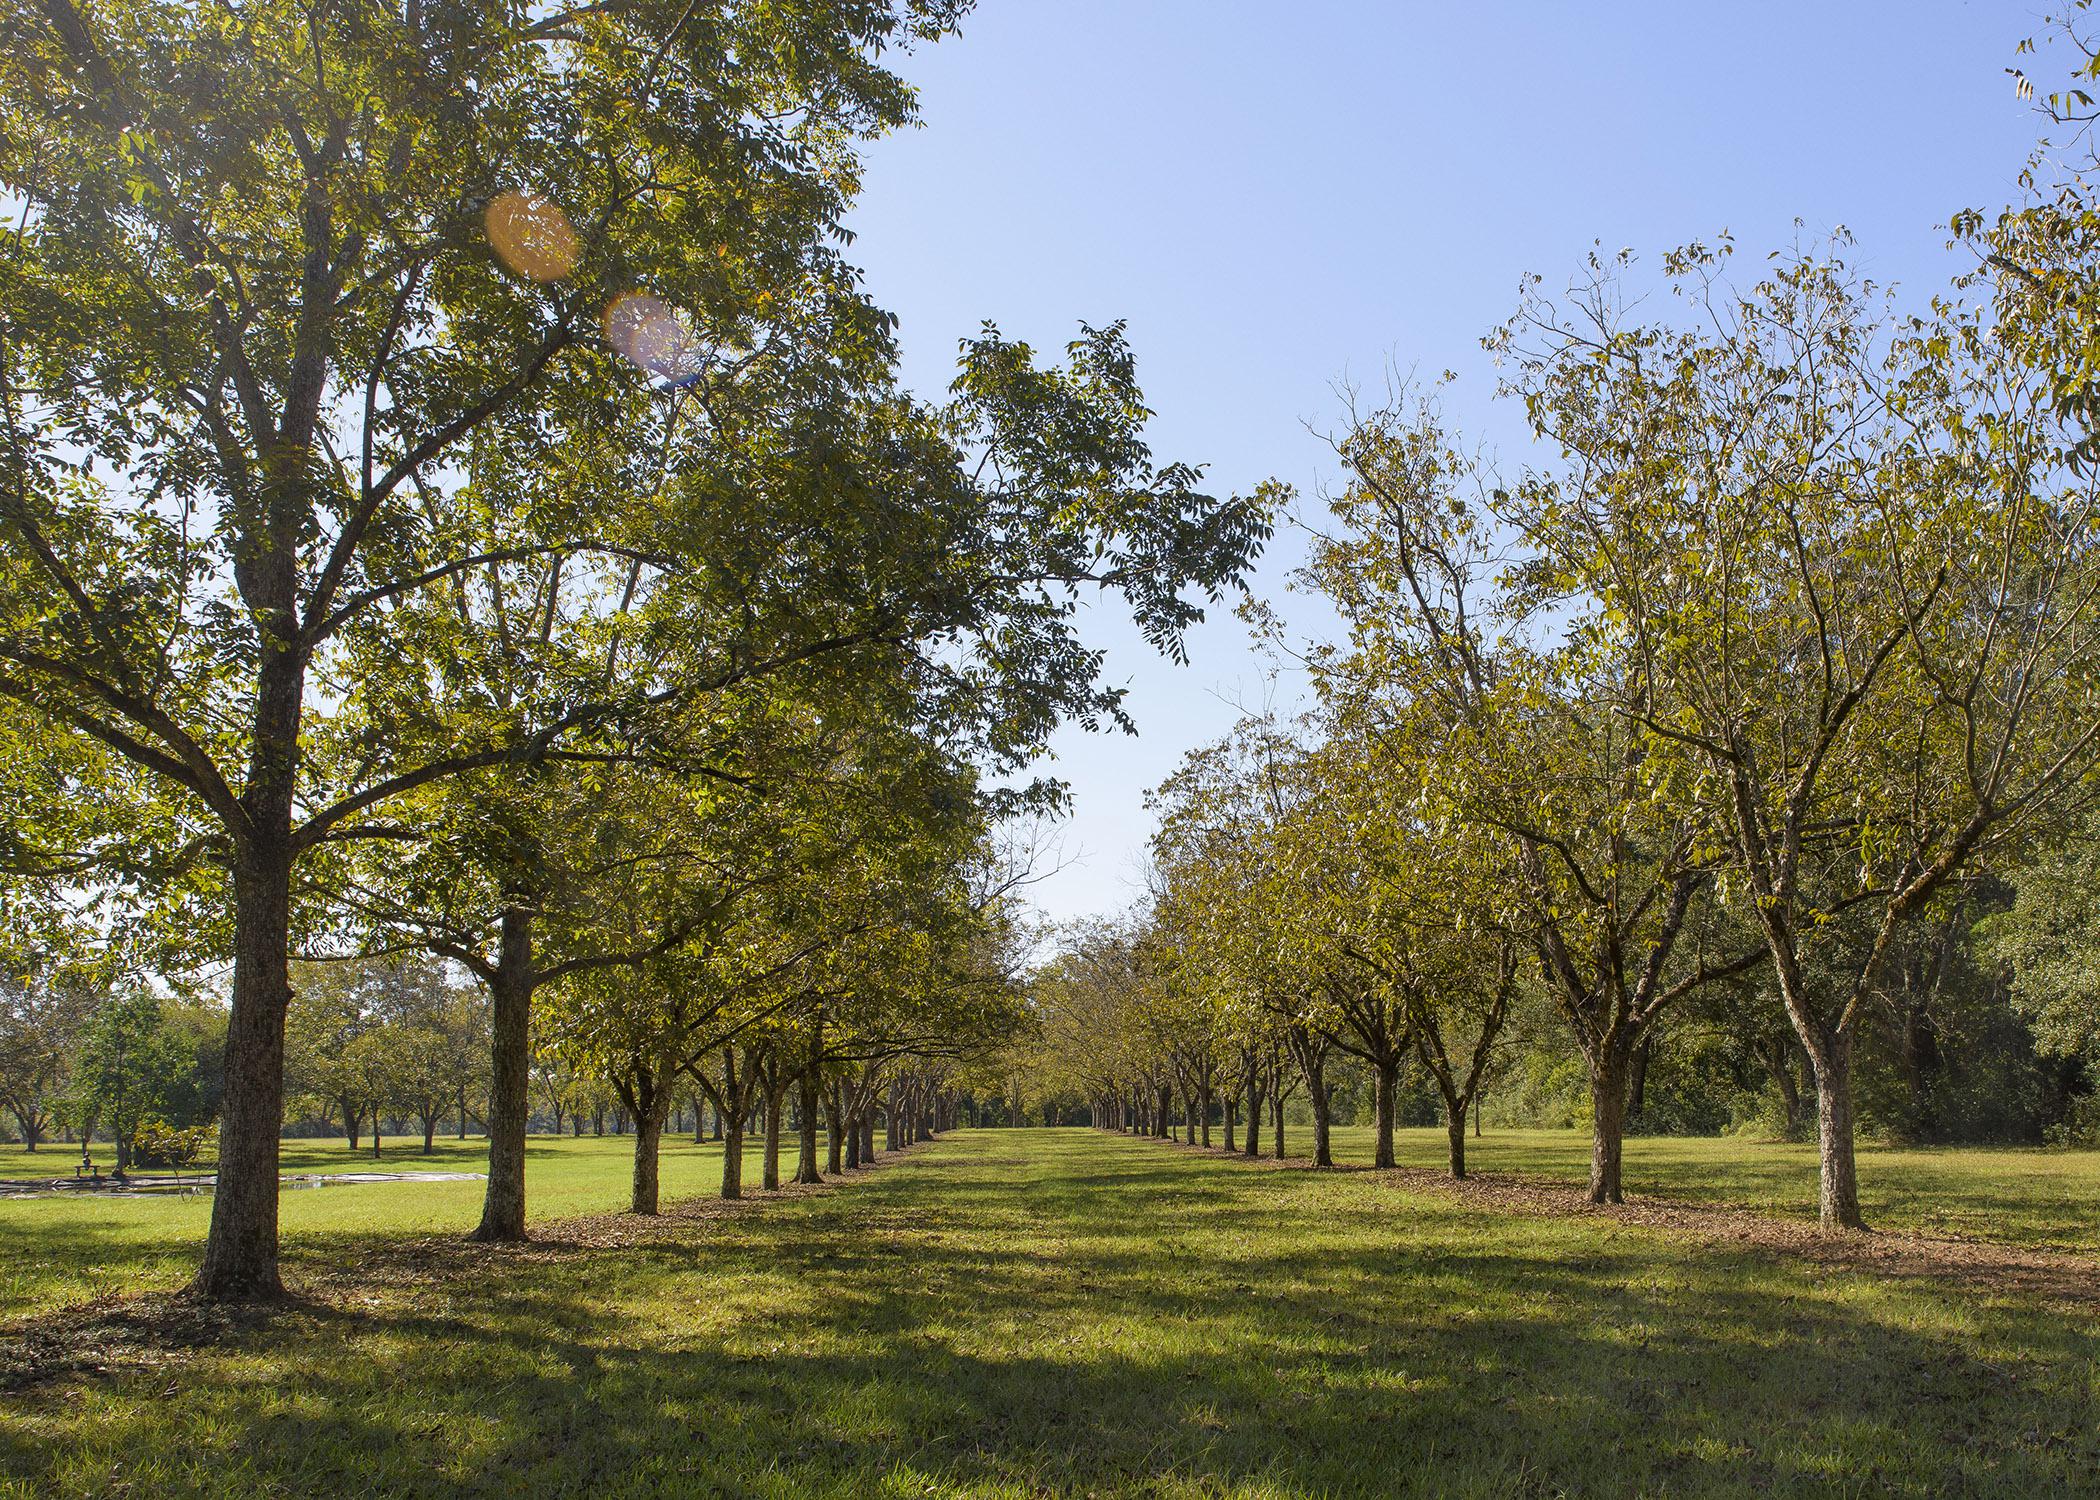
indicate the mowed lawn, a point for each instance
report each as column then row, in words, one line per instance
column 64, row 1250
column 59, row 1250
column 1032, row 1313
column 2003, row 1195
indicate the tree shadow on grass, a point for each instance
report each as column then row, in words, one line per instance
column 1103, row 1319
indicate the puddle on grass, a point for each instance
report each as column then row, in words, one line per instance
column 139, row 1187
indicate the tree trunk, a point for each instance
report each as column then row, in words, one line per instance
column 812, row 1082
column 834, row 1131
column 770, row 1178
column 510, row 1079
column 1455, row 1131
column 1254, row 1098
column 1777, row 1056
column 353, row 1125
column 1840, row 1173
column 731, row 1103
column 1276, row 1108
column 648, row 1139
column 1607, row 1124
column 806, row 1141
column 867, row 1134
column 240, row 1253
column 1322, row 1110
column 1387, row 1071
column 430, row 1130
column 1637, row 1078
column 1232, row 1135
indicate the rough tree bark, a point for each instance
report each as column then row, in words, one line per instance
column 1386, row 1071
column 510, row 1079
column 1608, row 1071
column 240, row 1253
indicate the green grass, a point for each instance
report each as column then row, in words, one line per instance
column 57, row 1251
column 2007, row 1195
column 1067, row 1313
column 60, row 1250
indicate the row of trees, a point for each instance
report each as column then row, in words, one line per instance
column 401, row 1041
column 1784, row 658
column 458, row 502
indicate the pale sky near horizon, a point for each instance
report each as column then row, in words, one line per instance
column 1281, row 198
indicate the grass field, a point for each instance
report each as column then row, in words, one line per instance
column 60, row 1250
column 2014, row 1196
column 1067, row 1313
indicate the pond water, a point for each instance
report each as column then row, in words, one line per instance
column 202, row 1182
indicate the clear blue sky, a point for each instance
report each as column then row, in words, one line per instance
column 1281, row 196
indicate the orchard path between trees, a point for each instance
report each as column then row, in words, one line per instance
column 1072, row 1312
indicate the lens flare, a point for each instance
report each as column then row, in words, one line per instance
column 652, row 335
column 531, row 235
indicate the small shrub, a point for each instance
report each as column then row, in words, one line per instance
column 159, row 1144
